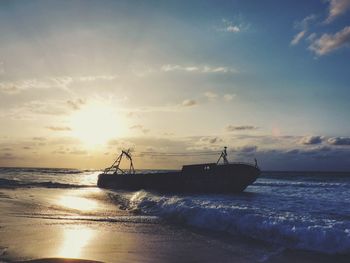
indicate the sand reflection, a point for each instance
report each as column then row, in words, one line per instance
column 74, row 242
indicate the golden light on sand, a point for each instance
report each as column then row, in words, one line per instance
column 95, row 124
column 77, row 203
column 74, row 242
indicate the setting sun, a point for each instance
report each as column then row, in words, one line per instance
column 95, row 124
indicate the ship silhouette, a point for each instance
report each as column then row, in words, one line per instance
column 225, row 177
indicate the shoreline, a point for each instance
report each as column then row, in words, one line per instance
column 52, row 240
column 169, row 169
column 50, row 224
column 174, row 245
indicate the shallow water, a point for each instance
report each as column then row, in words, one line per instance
column 298, row 211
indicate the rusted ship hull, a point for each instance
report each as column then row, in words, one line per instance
column 204, row 178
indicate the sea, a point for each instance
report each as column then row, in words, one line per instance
column 306, row 211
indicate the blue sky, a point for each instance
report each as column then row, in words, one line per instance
column 268, row 79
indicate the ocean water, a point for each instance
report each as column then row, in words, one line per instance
column 295, row 210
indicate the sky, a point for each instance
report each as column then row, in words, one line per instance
column 81, row 80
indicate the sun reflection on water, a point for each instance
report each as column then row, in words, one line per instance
column 74, row 242
column 77, row 203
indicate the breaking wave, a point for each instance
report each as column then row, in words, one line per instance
column 301, row 184
column 215, row 213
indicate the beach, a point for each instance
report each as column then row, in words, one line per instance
column 27, row 233
column 122, row 236
column 48, row 220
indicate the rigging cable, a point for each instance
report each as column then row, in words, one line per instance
column 177, row 154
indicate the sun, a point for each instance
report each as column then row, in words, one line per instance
column 95, row 124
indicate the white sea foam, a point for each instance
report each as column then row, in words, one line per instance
column 218, row 213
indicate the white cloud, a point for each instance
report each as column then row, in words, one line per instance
column 305, row 23
column 151, row 109
column 337, row 8
column 61, row 82
column 95, row 78
column 303, row 27
column 210, row 95
column 197, row 69
column 231, row 27
column 59, row 128
column 328, row 42
column 170, row 67
column 219, row 70
column 229, row 97
column 296, row 39
column 45, row 107
column 311, row 37
column 22, row 85
column 28, row 110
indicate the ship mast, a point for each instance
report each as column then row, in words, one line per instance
column 115, row 166
column 223, row 156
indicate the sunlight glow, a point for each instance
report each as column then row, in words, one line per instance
column 77, row 203
column 75, row 241
column 95, row 124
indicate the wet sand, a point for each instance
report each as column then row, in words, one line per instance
column 118, row 242
column 34, row 228
column 59, row 260
column 50, row 241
